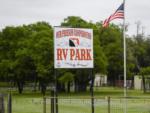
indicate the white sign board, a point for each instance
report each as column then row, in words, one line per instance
column 73, row 48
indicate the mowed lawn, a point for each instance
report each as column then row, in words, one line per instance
column 30, row 102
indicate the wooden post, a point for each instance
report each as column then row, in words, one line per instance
column 44, row 104
column 52, row 101
column 108, row 99
column 2, row 108
column 9, row 103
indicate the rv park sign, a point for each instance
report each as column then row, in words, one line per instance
column 73, row 48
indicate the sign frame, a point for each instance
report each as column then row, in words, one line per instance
column 73, row 48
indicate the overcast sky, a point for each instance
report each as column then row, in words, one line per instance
column 18, row 12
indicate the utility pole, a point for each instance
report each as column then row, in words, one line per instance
column 138, row 25
column 143, row 31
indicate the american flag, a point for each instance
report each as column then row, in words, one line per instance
column 119, row 13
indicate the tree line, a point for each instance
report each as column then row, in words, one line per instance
column 26, row 55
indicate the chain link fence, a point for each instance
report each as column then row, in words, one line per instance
column 102, row 105
column 74, row 105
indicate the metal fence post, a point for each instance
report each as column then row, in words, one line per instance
column 9, row 103
column 55, row 92
column 92, row 91
column 44, row 104
column 2, row 108
column 108, row 99
column 52, row 101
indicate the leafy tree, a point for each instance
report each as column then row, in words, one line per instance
column 111, row 42
column 27, row 52
column 40, row 48
column 100, row 62
column 66, row 79
column 13, row 64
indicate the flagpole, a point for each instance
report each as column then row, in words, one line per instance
column 118, row 14
column 125, row 66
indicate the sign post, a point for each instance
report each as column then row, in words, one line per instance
column 91, row 90
column 73, row 49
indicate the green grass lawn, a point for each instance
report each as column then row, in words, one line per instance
column 30, row 102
